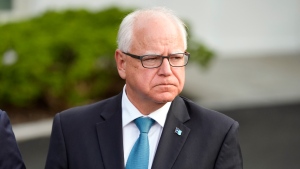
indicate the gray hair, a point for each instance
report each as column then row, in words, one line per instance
column 125, row 33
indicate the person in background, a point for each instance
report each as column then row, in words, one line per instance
column 147, row 125
column 10, row 156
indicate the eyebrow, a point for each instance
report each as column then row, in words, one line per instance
column 150, row 52
column 155, row 53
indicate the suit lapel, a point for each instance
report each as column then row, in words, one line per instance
column 171, row 143
column 110, row 135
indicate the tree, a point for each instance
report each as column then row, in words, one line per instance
column 63, row 59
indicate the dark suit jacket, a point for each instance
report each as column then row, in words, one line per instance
column 10, row 157
column 90, row 137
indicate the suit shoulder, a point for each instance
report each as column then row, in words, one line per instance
column 92, row 110
column 3, row 115
column 197, row 111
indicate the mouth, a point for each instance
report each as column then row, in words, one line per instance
column 165, row 85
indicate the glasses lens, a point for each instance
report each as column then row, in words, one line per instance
column 178, row 59
column 151, row 61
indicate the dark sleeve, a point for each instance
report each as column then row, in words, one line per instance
column 57, row 158
column 10, row 156
column 230, row 156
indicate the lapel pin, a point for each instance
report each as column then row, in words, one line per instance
column 178, row 131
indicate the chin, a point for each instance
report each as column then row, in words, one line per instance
column 164, row 98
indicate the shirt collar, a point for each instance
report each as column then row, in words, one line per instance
column 130, row 112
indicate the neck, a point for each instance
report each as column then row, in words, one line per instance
column 147, row 108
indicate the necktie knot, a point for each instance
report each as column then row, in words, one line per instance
column 144, row 124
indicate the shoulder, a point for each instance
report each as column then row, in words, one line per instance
column 2, row 113
column 207, row 117
column 10, row 156
column 91, row 111
column 3, row 117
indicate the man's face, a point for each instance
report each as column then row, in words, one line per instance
column 157, row 85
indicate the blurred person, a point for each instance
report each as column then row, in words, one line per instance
column 10, row 156
column 147, row 125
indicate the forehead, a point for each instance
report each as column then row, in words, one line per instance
column 151, row 32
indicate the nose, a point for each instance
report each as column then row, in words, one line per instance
column 165, row 68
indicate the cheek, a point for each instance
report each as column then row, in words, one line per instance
column 147, row 78
column 183, row 78
column 180, row 76
column 140, row 77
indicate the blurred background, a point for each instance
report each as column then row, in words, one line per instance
column 245, row 63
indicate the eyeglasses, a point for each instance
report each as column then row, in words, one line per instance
column 155, row 61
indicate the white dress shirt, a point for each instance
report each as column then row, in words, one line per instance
column 131, row 132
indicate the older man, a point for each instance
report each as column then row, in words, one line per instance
column 147, row 125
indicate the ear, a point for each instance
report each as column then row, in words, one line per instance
column 121, row 63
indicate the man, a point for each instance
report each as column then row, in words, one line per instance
column 151, row 56
column 10, row 156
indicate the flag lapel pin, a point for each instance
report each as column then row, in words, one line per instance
column 178, row 131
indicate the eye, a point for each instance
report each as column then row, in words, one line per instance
column 176, row 57
column 151, row 58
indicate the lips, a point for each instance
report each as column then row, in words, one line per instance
column 165, row 84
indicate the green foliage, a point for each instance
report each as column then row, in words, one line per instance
column 64, row 58
column 200, row 53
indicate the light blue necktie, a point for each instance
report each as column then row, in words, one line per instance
column 139, row 154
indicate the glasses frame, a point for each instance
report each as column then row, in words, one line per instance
column 163, row 57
